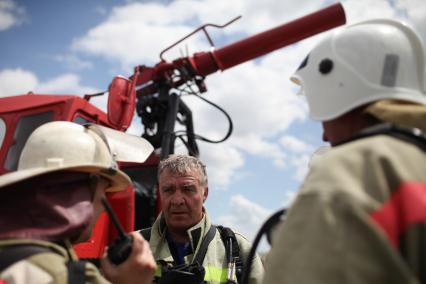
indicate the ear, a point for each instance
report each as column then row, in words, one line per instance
column 206, row 193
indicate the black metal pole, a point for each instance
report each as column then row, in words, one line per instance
column 167, row 143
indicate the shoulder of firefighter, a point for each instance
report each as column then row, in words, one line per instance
column 215, row 264
column 35, row 261
column 356, row 224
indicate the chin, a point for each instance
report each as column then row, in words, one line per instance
column 180, row 225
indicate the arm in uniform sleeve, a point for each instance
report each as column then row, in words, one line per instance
column 328, row 236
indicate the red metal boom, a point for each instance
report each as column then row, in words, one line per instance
column 260, row 44
column 205, row 63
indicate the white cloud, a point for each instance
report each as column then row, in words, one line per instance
column 16, row 81
column 299, row 155
column 289, row 197
column 411, row 11
column 11, row 14
column 133, row 34
column 361, row 10
column 244, row 216
column 136, row 32
column 293, row 144
column 64, row 84
column 258, row 99
column 73, row 61
column 19, row 81
column 415, row 11
column 301, row 164
column 255, row 145
column 136, row 128
column 222, row 163
column 261, row 15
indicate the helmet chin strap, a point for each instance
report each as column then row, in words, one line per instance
column 93, row 184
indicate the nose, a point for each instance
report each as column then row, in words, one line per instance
column 177, row 198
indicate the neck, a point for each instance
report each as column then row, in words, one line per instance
column 178, row 235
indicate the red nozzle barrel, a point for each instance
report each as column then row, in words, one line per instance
column 260, row 44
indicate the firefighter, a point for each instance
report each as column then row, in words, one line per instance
column 52, row 202
column 184, row 235
column 360, row 215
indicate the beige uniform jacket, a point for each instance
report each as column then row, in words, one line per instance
column 45, row 267
column 215, row 263
column 358, row 219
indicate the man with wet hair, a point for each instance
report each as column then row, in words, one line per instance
column 183, row 233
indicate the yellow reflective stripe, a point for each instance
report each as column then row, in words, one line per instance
column 215, row 274
column 158, row 271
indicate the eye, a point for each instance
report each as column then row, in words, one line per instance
column 167, row 189
column 189, row 188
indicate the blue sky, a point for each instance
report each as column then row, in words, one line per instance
column 77, row 47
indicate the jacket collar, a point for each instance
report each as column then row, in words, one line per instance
column 195, row 233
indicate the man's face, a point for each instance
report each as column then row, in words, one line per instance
column 345, row 126
column 182, row 198
column 335, row 132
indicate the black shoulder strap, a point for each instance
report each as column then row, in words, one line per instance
column 13, row 254
column 229, row 239
column 146, row 233
column 201, row 254
column 411, row 135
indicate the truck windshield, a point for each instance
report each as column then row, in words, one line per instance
column 81, row 120
column 24, row 128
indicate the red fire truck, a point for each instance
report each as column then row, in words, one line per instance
column 155, row 94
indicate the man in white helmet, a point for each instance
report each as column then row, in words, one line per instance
column 53, row 200
column 360, row 216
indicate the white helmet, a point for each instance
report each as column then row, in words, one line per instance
column 62, row 145
column 363, row 63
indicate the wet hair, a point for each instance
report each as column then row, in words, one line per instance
column 183, row 164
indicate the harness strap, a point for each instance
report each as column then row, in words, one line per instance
column 199, row 258
column 230, row 241
column 146, row 233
